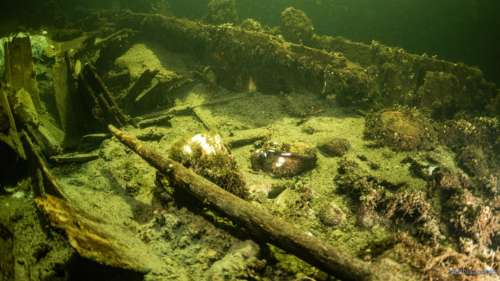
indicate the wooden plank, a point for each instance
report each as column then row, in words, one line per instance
column 141, row 84
column 19, row 71
column 68, row 103
column 102, row 97
column 9, row 134
column 74, row 158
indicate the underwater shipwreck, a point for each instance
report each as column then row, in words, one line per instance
column 139, row 146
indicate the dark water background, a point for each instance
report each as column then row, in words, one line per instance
column 458, row 30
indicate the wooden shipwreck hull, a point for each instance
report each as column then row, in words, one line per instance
column 238, row 55
column 352, row 73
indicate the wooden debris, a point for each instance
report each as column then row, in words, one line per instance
column 246, row 137
column 143, row 94
column 23, row 108
column 92, row 237
column 98, row 137
column 107, row 110
column 190, row 109
column 118, row 79
column 155, row 121
column 47, row 182
column 205, row 117
column 19, row 71
column 150, row 135
column 259, row 222
column 157, row 93
column 273, row 64
column 9, row 133
column 67, row 101
column 143, row 83
column 44, row 138
column 74, row 158
column 103, row 51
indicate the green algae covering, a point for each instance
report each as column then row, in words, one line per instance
column 390, row 157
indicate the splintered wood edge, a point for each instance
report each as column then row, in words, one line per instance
column 88, row 236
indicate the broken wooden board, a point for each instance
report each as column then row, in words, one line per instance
column 95, row 138
column 9, row 133
column 67, row 101
column 19, row 71
column 105, row 106
column 74, row 158
column 47, row 136
column 205, row 117
column 141, row 84
column 157, row 93
column 247, row 137
column 110, row 47
column 47, row 183
column 94, row 238
column 162, row 120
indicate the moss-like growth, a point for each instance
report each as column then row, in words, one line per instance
column 413, row 207
column 331, row 215
column 439, row 92
column 208, row 156
column 222, row 11
column 335, row 147
column 296, row 26
column 377, row 199
column 470, row 217
column 252, row 25
column 442, row 263
column 401, row 130
column 366, row 191
column 24, row 108
column 473, row 160
column 477, row 146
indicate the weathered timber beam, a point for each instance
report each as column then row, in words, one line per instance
column 246, row 137
column 19, row 70
column 261, row 224
column 141, row 84
column 237, row 55
column 51, row 182
column 155, row 121
column 9, row 133
column 101, row 97
column 67, row 101
column 74, row 158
